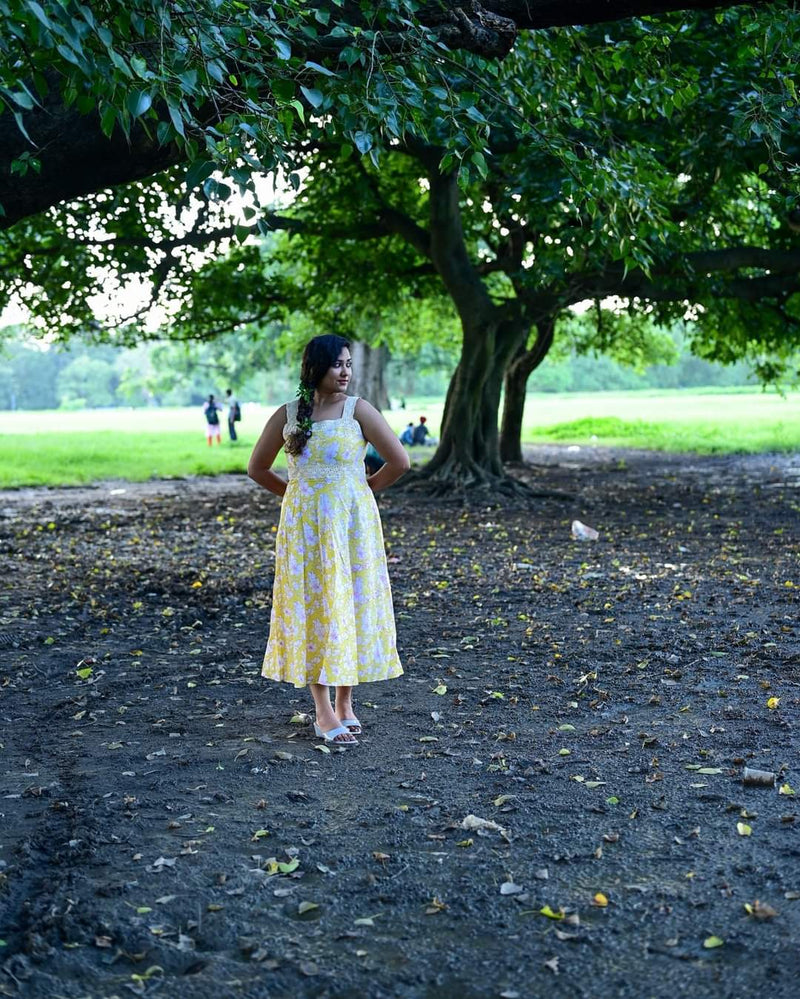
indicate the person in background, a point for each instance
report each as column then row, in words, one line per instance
column 372, row 460
column 421, row 432
column 234, row 413
column 407, row 436
column 211, row 411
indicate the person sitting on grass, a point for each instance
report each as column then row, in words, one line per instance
column 421, row 433
column 407, row 436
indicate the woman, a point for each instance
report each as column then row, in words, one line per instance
column 332, row 623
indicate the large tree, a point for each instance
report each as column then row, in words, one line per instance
column 597, row 175
column 94, row 95
column 681, row 214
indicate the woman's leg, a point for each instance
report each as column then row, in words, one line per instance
column 326, row 717
column 344, row 706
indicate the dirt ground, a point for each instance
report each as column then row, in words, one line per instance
column 170, row 827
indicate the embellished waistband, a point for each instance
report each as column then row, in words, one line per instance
column 328, row 473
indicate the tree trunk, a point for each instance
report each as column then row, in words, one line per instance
column 468, row 452
column 369, row 373
column 522, row 365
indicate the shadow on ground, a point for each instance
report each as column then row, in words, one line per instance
column 169, row 829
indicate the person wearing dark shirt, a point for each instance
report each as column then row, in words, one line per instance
column 421, row 432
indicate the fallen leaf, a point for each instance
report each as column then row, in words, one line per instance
column 600, row 900
column 711, row 942
column 744, row 829
column 547, row 911
column 509, row 888
column 306, row 907
column 563, row 935
column 760, row 910
column 773, row 702
column 501, row 799
column 552, row 965
column 473, row 823
column 786, row 789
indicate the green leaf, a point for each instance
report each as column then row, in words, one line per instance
column 22, row 99
column 198, row 172
column 319, row 69
column 283, row 48
column 21, row 126
column 363, row 141
column 215, row 70
column 138, row 102
column 108, row 119
column 314, row 97
column 176, row 119
column 37, row 10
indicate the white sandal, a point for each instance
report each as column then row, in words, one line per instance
column 330, row 736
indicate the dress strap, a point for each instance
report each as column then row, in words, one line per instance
column 291, row 412
column 349, row 407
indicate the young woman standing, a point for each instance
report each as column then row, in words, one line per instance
column 332, row 623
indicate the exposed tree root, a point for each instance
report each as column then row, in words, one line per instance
column 463, row 486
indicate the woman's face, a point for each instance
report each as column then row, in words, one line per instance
column 338, row 375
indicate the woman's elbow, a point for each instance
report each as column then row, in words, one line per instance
column 404, row 462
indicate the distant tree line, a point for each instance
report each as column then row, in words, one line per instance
column 97, row 376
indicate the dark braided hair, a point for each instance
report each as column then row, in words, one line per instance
column 319, row 356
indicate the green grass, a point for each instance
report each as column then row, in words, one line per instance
column 81, row 457
column 71, row 448
column 710, row 437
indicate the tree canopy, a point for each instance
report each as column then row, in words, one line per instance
column 638, row 160
column 94, row 95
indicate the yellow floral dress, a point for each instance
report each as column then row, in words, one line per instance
column 332, row 620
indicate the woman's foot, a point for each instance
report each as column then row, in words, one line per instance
column 347, row 717
column 325, row 724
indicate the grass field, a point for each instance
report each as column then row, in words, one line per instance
column 69, row 448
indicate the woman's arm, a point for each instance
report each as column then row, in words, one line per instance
column 381, row 436
column 265, row 452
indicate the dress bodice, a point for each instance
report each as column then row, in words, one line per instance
column 335, row 449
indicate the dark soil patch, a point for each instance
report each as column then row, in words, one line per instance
column 143, row 804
